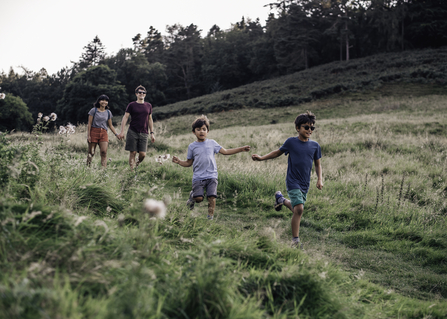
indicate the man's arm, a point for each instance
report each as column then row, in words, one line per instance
column 151, row 128
column 123, row 125
column 232, row 151
column 273, row 154
column 319, row 174
column 186, row 163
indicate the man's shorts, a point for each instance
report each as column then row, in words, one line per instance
column 199, row 186
column 297, row 197
column 136, row 142
column 98, row 135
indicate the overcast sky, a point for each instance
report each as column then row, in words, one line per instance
column 50, row 33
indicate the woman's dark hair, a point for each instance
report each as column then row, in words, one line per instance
column 304, row 118
column 101, row 98
column 201, row 121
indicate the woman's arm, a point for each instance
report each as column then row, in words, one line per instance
column 112, row 128
column 89, row 127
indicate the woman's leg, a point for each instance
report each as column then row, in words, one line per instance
column 91, row 152
column 103, row 151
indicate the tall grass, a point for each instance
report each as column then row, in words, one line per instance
column 76, row 242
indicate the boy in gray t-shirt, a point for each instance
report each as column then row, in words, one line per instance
column 201, row 157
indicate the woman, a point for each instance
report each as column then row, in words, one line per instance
column 99, row 118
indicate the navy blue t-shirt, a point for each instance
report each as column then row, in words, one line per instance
column 301, row 156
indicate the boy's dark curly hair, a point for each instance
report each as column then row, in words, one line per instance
column 304, row 118
column 201, row 121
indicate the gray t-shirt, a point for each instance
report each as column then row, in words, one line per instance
column 100, row 118
column 204, row 165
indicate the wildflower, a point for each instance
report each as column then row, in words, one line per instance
column 2, row 96
column 46, row 119
column 162, row 158
column 39, row 116
column 62, row 130
column 155, row 208
column 53, row 117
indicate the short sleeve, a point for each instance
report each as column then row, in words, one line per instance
column 217, row 147
column 92, row 112
column 285, row 147
column 189, row 155
column 317, row 154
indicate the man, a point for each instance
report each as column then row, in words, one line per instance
column 137, row 134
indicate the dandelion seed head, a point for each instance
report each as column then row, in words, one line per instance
column 155, row 208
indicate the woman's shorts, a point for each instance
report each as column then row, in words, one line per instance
column 297, row 197
column 136, row 142
column 98, row 135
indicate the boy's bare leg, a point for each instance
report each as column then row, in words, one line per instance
column 296, row 218
column 211, row 206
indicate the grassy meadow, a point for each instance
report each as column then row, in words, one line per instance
column 76, row 242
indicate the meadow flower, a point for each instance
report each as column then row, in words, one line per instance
column 2, row 96
column 62, row 130
column 46, row 119
column 53, row 117
column 39, row 116
column 162, row 158
column 155, row 208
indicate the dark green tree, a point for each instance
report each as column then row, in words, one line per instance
column 80, row 94
column 14, row 114
column 93, row 55
column 155, row 47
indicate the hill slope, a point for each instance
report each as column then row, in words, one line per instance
column 425, row 66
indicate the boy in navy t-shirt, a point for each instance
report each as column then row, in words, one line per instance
column 302, row 153
column 201, row 157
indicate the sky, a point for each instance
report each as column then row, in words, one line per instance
column 50, row 34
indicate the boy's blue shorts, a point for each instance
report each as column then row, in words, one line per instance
column 297, row 197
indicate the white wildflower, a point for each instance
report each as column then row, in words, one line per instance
column 2, row 96
column 155, row 208
column 45, row 119
column 62, row 130
column 53, row 117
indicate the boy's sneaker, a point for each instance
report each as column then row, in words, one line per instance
column 210, row 217
column 190, row 202
column 296, row 243
column 279, row 201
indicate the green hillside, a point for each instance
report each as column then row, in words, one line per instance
column 77, row 241
column 355, row 76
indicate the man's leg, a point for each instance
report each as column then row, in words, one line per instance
column 132, row 159
column 141, row 156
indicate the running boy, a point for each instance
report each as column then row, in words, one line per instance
column 201, row 157
column 302, row 152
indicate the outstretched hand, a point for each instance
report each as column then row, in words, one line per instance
column 175, row 159
column 256, row 157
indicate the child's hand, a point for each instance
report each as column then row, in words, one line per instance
column 320, row 184
column 256, row 157
column 175, row 159
column 245, row 148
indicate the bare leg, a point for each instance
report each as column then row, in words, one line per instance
column 141, row 156
column 211, row 205
column 91, row 152
column 132, row 159
column 296, row 218
column 103, row 151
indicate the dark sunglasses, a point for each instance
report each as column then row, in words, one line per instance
column 139, row 92
column 307, row 127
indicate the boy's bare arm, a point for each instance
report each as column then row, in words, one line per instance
column 232, row 151
column 273, row 154
column 186, row 163
column 319, row 174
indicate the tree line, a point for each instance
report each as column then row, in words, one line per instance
column 182, row 64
